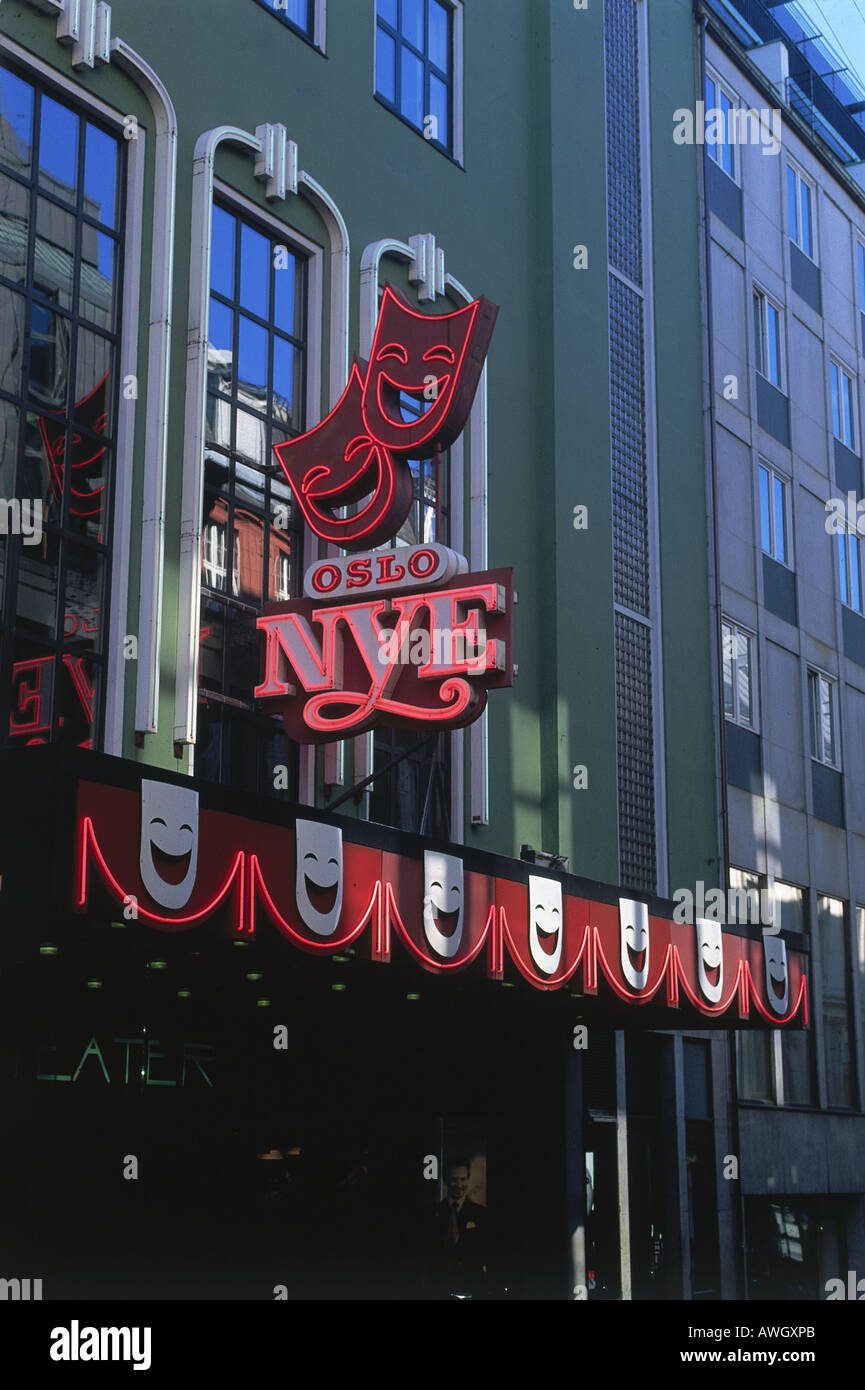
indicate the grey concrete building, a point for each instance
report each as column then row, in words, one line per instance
column 784, row 221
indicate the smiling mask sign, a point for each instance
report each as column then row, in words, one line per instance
column 168, row 857
column 405, row 636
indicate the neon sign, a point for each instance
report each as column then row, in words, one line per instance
column 447, row 912
column 85, row 456
column 359, row 452
column 353, row 676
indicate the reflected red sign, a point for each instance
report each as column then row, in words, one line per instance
column 84, row 457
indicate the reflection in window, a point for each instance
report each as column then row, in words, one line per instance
column 837, row 1024
column 413, row 62
column 255, row 399
column 61, row 211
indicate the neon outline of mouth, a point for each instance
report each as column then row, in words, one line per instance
column 167, row 865
column 322, row 898
column 712, row 973
column 637, row 959
column 446, row 922
column 442, row 384
column 542, row 937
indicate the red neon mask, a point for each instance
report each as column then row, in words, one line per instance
column 87, row 482
column 337, row 463
column 435, row 359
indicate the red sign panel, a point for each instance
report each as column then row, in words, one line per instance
column 174, row 865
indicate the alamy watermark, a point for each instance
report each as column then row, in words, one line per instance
column 845, row 514
column 21, row 518
column 746, row 905
column 739, row 125
column 442, row 647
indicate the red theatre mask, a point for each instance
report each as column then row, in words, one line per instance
column 435, row 360
column 359, row 452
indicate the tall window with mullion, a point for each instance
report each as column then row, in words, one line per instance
column 823, row 713
column 251, row 533
column 738, row 663
column 774, row 525
column 838, row 1048
column 799, row 211
column 414, row 64
column 843, row 405
column 849, row 569
column 414, row 793
column 62, row 177
column 719, row 104
column 767, row 339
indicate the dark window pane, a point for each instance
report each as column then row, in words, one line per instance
column 98, row 277
column 14, row 229
column 8, row 447
column 255, row 255
column 58, row 149
column 85, row 582
column 385, row 60
column 411, row 86
column 100, row 176
column 79, row 688
column 11, row 340
column 33, row 675
column 55, row 252
column 38, row 573
column 16, row 121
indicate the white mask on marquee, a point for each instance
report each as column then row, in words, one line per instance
column 319, row 875
column 443, row 896
column 777, row 979
column 169, row 842
column 545, row 923
column 634, row 939
column 710, row 959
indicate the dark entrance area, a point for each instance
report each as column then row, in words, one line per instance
column 187, row 1117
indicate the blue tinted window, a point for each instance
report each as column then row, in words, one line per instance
column 16, row 111
column 222, row 253
column 414, row 62
column 100, row 176
column 297, row 13
column 58, row 149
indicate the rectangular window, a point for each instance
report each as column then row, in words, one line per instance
column 256, row 372
column 767, row 337
column 774, row 514
column 720, row 101
column 800, row 207
column 837, row 1021
column 62, row 208
column 849, row 556
column 843, row 405
column 823, row 711
column 415, row 62
column 754, row 1065
column 738, row 648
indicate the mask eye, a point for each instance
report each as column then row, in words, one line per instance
column 442, row 353
column 392, row 350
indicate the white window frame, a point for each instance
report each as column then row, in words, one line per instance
column 844, row 373
column 776, row 475
column 795, row 233
column 722, row 88
column 818, row 681
column 457, row 151
column 213, row 545
column 847, row 542
column 736, row 632
column 761, row 345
